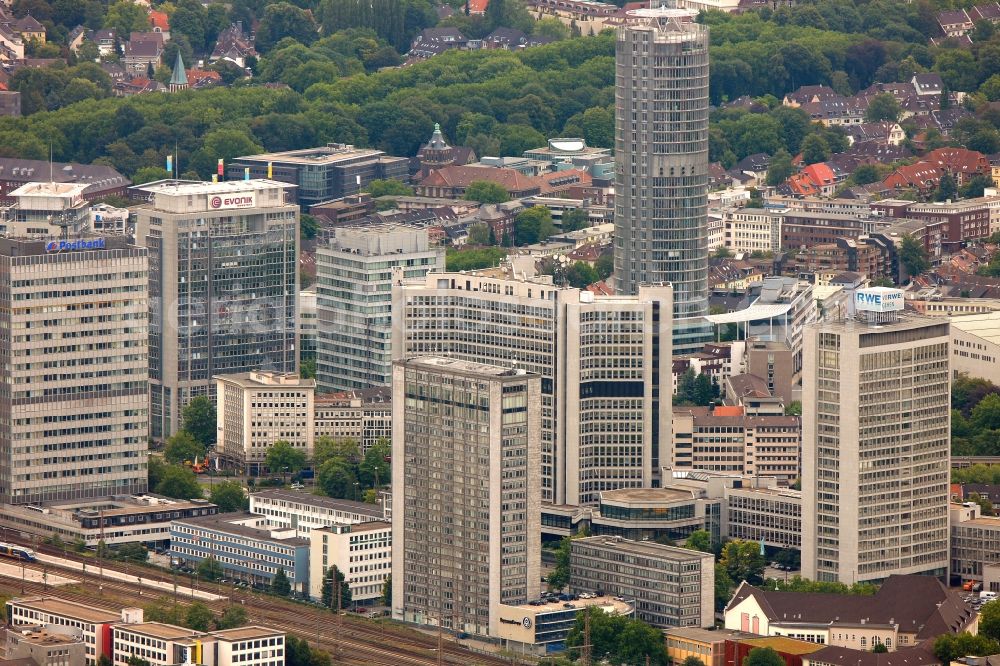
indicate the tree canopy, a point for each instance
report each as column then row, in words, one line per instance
column 229, row 496
column 198, row 417
column 618, row 639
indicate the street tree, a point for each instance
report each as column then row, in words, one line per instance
column 183, row 447
column 283, row 458
column 280, row 584
column 199, row 419
column 209, row 569
column 229, row 496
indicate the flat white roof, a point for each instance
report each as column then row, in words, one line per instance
column 752, row 313
column 227, row 186
column 985, row 326
column 50, row 189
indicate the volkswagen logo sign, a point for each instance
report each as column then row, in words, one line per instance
column 526, row 623
column 52, row 246
column 216, row 202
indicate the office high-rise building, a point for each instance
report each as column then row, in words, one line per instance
column 605, row 364
column 875, row 458
column 465, row 492
column 223, row 281
column 661, row 162
column 354, row 273
column 74, row 408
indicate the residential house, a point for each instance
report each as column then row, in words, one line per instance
column 884, row 133
column 507, row 39
column 432, row 41
column 927, row 84
column 76, row 38
column 986, row 12
column 809, row 95
column 836, row 111
column 106, row 40
column 142, row 55
column 954, row 23
column 11, row 45
column 814, row 180
column 160, row 22
column 30, row 29
column 234, row 45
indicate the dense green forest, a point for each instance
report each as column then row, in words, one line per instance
column 343, row 86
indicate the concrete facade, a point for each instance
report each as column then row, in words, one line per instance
column 875, row 454
column 256, row 409
column 74, row 417
column 604, row 362
column 669, row 587
column 465, row 490
column 354, row 277
column 363, row 554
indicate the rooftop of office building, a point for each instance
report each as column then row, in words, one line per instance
column 193, row 188
column 647, row 548
column 69, row 609
column 605, row 603
column 261, row 379
column 237, row 523
column 328, row 154
column 465, row 367
column 985, row 326
column 320, row 501
column 645, row 495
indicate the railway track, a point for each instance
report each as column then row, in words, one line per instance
column 348, row 639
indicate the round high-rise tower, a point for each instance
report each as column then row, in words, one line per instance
column 661, row 159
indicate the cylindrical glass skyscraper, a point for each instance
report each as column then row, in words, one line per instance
column 661, row 162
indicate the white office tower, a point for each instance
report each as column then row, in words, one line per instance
column 875, row 460
column 604, row 362
column 354, row 298
column 465, row 492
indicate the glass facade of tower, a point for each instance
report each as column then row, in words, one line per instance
column 661, row 161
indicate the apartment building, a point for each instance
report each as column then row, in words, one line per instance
column 363, row 554
column 223, row 282
column 74, row 361
column 302, row 512
column 752, row 230
column 726, row 439
column 466, row 501
column 605, row 362
column 876, row 400
column 256, row 409
column 669, row 586
column 364, row 415
column 355, row 272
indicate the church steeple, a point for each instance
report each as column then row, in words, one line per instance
column 178, row 80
